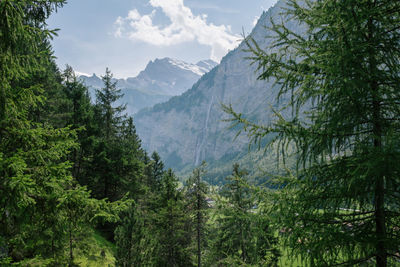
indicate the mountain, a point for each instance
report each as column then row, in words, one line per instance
column 158, row 82
column 189, row 128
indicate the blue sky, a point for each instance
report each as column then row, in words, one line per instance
column 125, row 34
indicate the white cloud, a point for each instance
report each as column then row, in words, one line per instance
column 183, row 27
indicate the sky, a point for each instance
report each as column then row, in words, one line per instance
column 124, row 35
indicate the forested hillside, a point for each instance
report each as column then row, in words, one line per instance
column 77, row 188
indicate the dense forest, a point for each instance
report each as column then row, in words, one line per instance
column 78, row 189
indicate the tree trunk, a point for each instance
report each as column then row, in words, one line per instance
column 379, row 200
column 379, row 197
column 198, row 228
column 71, row 255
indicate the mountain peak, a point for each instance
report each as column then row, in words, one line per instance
column 199, row 68
column 78, row 73
column 207, row 64
column 159, row 81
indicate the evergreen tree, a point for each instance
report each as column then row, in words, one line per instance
column 242, row 235
column 170, row 221
column 237, row 191
column 52, row 109
column 34, row 171
column 110, row 115
column 131, row 163
column 78, row 211
column 135, row 239
column 107, row 150
column 340, row 207
column 45, row 214
column 155, row 171
column 197, row 205
column 79, row 116
column 153, row 231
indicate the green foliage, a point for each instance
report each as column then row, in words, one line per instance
column 79, row 210
column 242, row 234
column 197, row 207
column 33, row 169
column 155, row 171
column 339, row 206
column 134, row 240
column 68, row 166
column 78, row 113
column 89, row 251
column 109, row 159
column 110, row 117
column 43, row 210
column 171, row 219
column 154, row 233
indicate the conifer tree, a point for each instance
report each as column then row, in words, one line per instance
column 155, row 171
column 170, row 221
column 241, row 234
column 340, row 206
column 135, row 239
column 111, row 115
column 34, row 171
column 80, row 117
column 131, row 162
column 108, row 150
column 197, row 205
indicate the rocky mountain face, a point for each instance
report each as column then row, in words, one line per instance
column 189, row 128
column 158, row 82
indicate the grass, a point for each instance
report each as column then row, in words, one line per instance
column 286, row 260
column 92, row 251
column 96, row 251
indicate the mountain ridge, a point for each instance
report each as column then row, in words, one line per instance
column 159, row 81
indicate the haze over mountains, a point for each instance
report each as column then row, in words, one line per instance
column 188, row 129
column 158, row 82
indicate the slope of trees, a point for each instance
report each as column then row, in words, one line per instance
column 55, row 146
column 34, row 173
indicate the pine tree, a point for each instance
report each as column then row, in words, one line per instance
column 111, row 115
column 155, row 171
column 79, row 116
column 242, row 235
column 197, row 205
column 34, row 171
column 135, row 239
column 131, row 162
column 340, row 206
column 107, row 150
column 238, row 194
column 52, row 109
column 170, row 221
column 42, row 208
column 78, row 210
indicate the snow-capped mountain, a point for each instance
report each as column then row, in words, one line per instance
column 158, row 82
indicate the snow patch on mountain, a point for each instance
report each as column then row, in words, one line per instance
column 78, row 73
column 200, row 68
